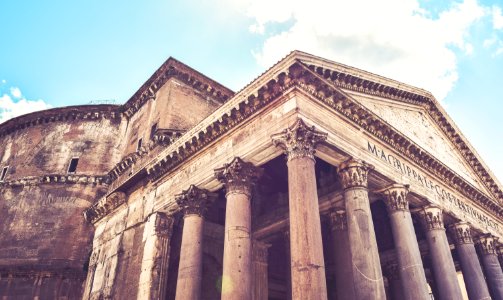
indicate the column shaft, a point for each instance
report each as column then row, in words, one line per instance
column 394, row 285
column 343, row 268
column 407, row 250
column 260, row 287
column 494, row 274
column 188, row 286
column 476, row 286
column 154, row 264
column 306, row 247
column 238, row 177
column 236, row 279
column 444, row 270
column 366, row 266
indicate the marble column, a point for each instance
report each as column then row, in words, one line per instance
column 260, row 286
column 476, row 286
column 306, row 247
column 444, row 270
column 343, row 268
column 193, row 203
column 238, row 178
column 392, row 273
column 154, row 264
column 407, row 250
column 492, row 268
column 366, row 266
column 288, row 257
column 500, row 255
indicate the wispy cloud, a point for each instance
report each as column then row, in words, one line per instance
column 395, row 38
column 13, row 104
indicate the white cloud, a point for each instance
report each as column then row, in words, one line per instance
column 15, row 92
column 10, row 108
column 497, row 18
column 4, row 81
column 395, row 38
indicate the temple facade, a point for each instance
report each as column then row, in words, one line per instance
column 315, row 181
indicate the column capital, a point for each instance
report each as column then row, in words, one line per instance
column 194, row 201
column 338, row 220
column 238, row 176
column 354, row 173
column 396, row 197
column 499, row 251
column 462, row 233
column 487, row 244
column 431, row 217
column 161, row 224
column 260, row 251
column 299, row 140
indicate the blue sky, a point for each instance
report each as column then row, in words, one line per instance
column 59, row 53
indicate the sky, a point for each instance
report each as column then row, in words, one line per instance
column 60, row 53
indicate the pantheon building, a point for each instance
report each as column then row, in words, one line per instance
column 315, row 181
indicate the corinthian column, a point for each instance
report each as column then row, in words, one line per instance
column 476, row 286
column 238, row 178
column 306, row 247
column 500, row 255
column 494, row 274
column 366, row 268
column 444, row 270
column 343, row 268
column 407, row 250
column 260, row 289
column 392, row 272
column 193, row 203
column 154, row 265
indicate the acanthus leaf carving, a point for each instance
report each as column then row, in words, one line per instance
column 431, row 217
column 338, row 220
column 354, row 173
column 194, row 201
column 462, row 233
column 238, row 176
column 396, row 197
column 487, row 244
column 299, row 140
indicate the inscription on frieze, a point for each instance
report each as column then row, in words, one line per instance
column 447, row 198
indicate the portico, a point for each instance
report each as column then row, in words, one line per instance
column 317, row 193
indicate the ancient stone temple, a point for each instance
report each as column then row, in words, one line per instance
column 315, row 181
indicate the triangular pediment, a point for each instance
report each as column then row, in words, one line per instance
column 411, row 111
column 415, row 123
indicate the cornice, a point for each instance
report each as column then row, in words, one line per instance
column 104, row 206
column 64, row 114
column 172, row 68
column 354, row 83
column 56, row 179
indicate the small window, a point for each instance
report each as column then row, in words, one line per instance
column 72, row 168
column 152, row 130
column 4, row 173
column 140, row 142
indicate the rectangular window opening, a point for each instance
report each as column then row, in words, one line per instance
column 140, row 142
column 4, row 173
column 72, row 168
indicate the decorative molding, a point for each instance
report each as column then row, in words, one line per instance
column 299, row 140
column 172, row 68
column 194, row 201
column 56, row 178
column 431, row 217
column 104, row 206
column 487, row 244
column 462, row 233
column 354, row 173
column 238, row 176
column 427, row 101
column 163, row 224
column 396, row 197
column 63, row 114
column 338, row 220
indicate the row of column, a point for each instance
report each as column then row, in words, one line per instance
column 359, row 274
